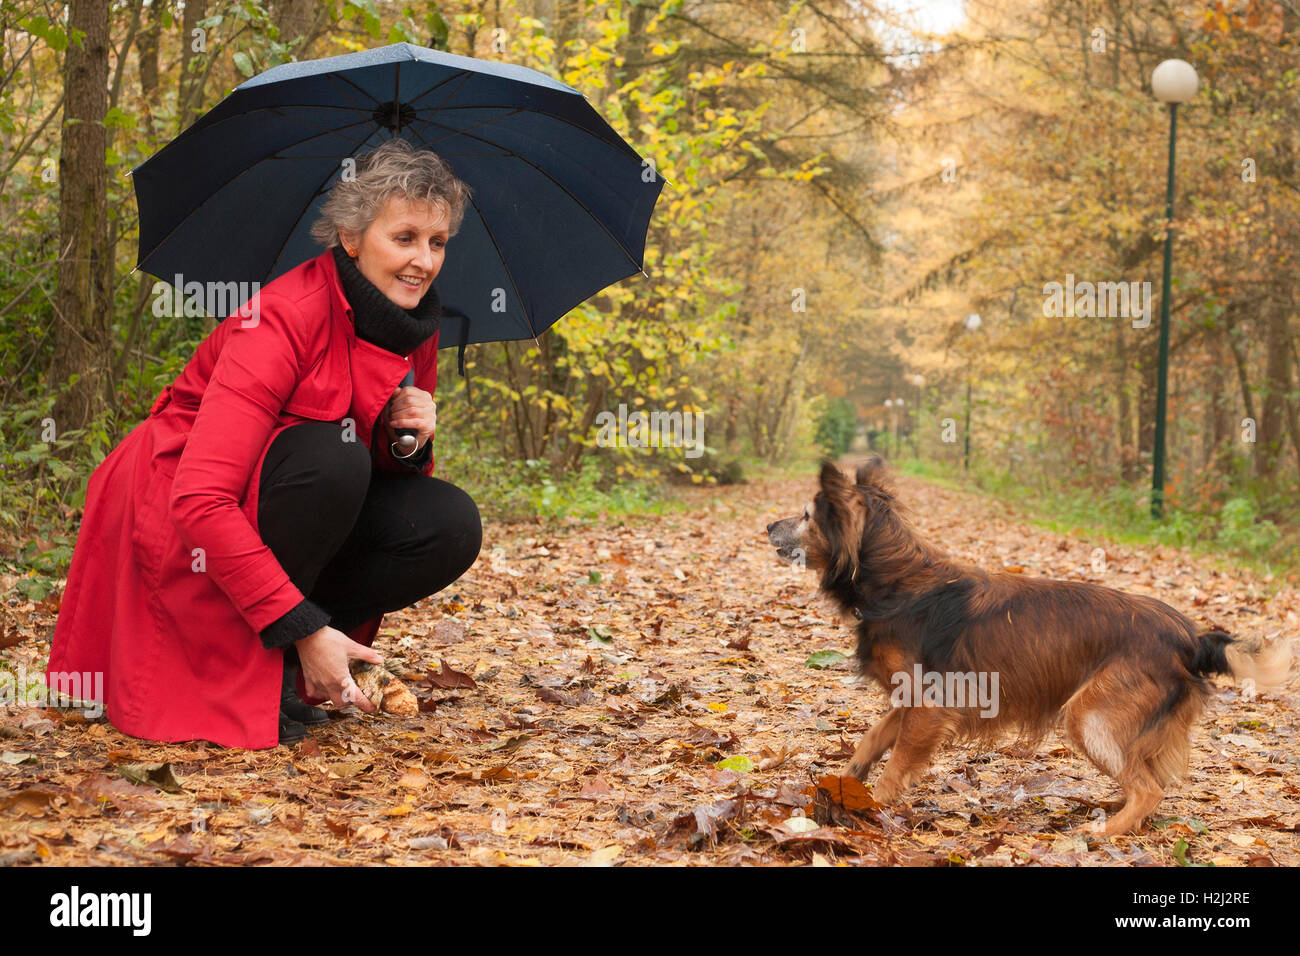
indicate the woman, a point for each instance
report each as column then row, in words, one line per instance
column 264, row 513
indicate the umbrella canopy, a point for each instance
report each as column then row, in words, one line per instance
column 560, row 208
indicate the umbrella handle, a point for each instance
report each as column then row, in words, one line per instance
column 406, row 436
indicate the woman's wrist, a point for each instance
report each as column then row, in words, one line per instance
column 302, row 620
column 312, row 637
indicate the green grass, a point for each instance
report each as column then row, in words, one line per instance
column 1236, row 536
column 508, row 491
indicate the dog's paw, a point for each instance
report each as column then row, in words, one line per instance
column 884, row 793
column 1101, row 829
column 860, row 771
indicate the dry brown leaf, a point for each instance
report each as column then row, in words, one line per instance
column 448, row 679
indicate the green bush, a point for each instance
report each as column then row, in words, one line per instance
column 1123, row 512
column 511, row 490
column 1241, row 529
column 836, row 426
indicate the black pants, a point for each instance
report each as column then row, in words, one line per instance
column 357, row 540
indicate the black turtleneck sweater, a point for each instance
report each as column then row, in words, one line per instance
column 380, row 321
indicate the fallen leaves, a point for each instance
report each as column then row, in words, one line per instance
column 33, row 802
column 448, row 679
column 639, row 716
column 770, row 759
column 844, row 793
column 343, row 769
column 823, row 659
column 702, row 823
column 447, row 631
column 738, row 763
column 158, row 775
column 101, row 790
column 413, row 780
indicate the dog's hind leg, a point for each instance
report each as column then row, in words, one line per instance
column 1157, row 757
column 1142, row 794
column 1108, row 735
column 921, row 731
column 875, row 742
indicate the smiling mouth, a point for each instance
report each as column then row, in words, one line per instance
column 409, row 282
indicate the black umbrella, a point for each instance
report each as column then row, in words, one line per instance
column 560, row 209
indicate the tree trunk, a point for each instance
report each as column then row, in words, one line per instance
column 189, row 91
column 147, row 50
column 1147, row 383
column 1277, row 385
column 82, row 343
column 300, row 18
column 1128, row 458
column 1221, row 428
column 1235, row 337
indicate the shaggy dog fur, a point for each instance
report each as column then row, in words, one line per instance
column 1126, row 673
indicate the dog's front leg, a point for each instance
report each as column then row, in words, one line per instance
column 874, row 743
column 921, row 731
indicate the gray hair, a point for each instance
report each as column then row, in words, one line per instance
column 394, row 169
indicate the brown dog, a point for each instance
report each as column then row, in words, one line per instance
column 968, row 654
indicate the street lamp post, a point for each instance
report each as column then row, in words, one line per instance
column 1173, row 82
column 972, row 323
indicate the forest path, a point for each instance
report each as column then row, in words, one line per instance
column 639, row 692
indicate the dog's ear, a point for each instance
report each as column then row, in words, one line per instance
column 834, row 485
column 839, row 514
column 872, row 472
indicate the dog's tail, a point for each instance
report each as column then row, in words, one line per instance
column 1264, row 665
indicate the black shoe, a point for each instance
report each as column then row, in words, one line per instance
column 290, row 730
column 293, row 708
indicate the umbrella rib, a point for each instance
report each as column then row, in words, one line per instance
column 289, row 235
column 397, row 102
column 621, row 144
column 523, row 159
column 532, row 326
column 416, row 133
column 464, row 76
column 298, row 219
column 213, row 193
column 336, row 78
column 323, row 130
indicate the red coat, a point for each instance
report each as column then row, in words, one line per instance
column 175, row 629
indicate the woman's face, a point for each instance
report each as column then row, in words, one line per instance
column 402, row 250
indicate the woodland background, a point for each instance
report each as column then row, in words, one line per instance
column 845, row 190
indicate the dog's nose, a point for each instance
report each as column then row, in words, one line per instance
column 770, row 527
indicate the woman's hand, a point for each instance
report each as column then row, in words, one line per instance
column 412, row 407
column 324, row 655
